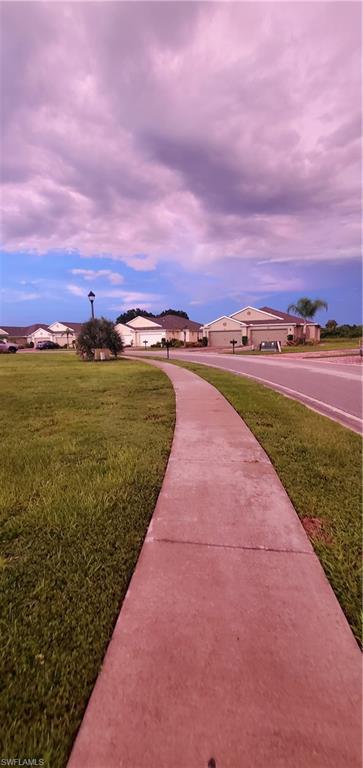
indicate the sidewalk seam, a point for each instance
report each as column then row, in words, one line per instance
column 152, row 539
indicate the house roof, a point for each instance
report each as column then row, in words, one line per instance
column 255, row 309
column 148, row 323
column 175, row 322
column 23, row 330
column 283, row 315
column 168, row 323
column 74, row 326
column 273, row 322
column 27, row 330
column 241, row 323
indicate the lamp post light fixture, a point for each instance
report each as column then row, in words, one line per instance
column 145, row 342
column 92, row 297
column 233, row 342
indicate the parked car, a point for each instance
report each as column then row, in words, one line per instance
column 8, row 346
column 47, row 345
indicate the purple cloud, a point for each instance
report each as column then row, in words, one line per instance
column 201, row 133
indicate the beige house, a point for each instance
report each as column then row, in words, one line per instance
column 61, row 333
column 153, row 330
column 257, row 325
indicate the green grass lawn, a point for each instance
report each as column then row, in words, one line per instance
column 320, row 464
column 325, row 345
column 336, row 344
column 83, row 453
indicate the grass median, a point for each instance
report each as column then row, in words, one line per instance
column 83, row 454
column 319, row 463
column 325, row 345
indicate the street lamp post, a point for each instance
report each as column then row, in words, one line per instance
column 92, row 297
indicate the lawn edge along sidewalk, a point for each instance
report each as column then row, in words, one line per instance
column 231, row 645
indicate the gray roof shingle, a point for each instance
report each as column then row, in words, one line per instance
column 283, row 315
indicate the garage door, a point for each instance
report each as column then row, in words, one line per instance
column 223, row 338
column 273, row 334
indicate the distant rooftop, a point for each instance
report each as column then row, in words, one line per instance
column 171, row 323
column 283, row 315
column 26, row 330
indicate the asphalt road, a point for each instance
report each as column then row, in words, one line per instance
column 333, row 389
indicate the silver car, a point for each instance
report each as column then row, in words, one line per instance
column 8, row 346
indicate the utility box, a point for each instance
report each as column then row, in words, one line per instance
column 270, row 346
column 102, row 354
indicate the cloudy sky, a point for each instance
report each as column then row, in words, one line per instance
column 197, row 155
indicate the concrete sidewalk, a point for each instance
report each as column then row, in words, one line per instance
column 230, row 646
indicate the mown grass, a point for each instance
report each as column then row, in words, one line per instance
column 83, row 453
column 320, row 464
column 325, row 345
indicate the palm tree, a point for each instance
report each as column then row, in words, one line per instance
column 307, row 309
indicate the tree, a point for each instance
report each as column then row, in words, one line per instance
column 130, row 314
column 178, row 312
column 306, row 308
column 331, row 325
column 68, row 332
column 98, row 334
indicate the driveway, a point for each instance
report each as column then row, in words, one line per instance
column 334, row 390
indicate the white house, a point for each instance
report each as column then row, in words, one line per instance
column 61, row 333
column 153, row 330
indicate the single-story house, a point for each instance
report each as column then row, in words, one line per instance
column 256, row 325
column 61, row 333
column 156, row 329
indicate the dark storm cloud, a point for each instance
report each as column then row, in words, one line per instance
column 182, row 131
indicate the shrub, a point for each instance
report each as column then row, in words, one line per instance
column 290, row 337
column 98, row 334
column 204, row 341
column 245, row 341
column 173, row 343
column 341, row 331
